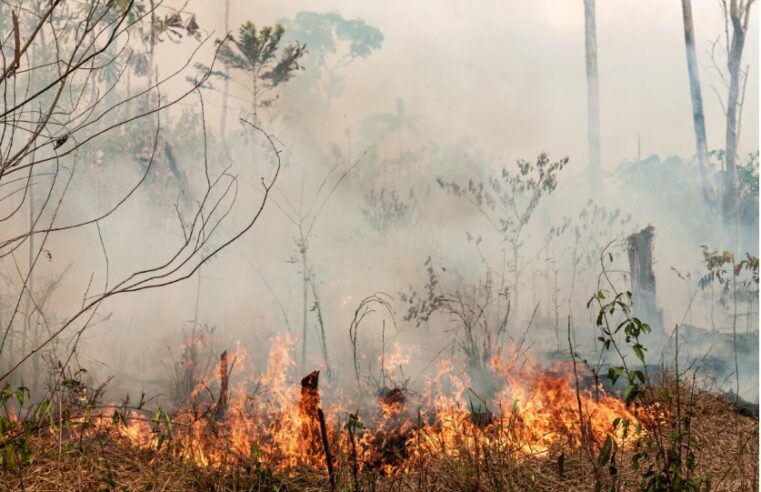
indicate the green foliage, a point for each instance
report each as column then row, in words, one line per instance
column 421, row 307
column 354, row 424
column 480, row 311
column 665, row 450
column 321, row 32
column 333, row 43
column 510, row 199
column 747, row 184
column 610, row 304
column 747, row 189
column 15, row 435
column 161, row 426
column 723, row 269
column 381, row 125
column 173, row 26
column 738, row 281
column 384, row 209
column 508, row 202
column 256, row 52
column 594, row 224
column 20, row 394
column 259, row 54
column 652, row 184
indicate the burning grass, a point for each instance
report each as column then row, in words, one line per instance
column 726, row 447
column 533, row 413
column 534, row 432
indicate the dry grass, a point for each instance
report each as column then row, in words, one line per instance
column 725, row 444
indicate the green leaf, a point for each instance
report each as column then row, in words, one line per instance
column 630, row 393
column 22, row 394
column 256, row 451
column 638, row 375
column 639, row 351
column 635, row 461
column 614, row 373
column 605, row 451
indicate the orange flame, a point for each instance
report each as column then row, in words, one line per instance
column 535, row 413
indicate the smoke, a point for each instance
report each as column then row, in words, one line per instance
column 479, row 88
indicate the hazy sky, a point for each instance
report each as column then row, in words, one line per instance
column 511, row 73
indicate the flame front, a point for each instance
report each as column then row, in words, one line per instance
column 273, row 423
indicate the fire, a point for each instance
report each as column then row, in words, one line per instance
column 395, row 359
column 284, row 425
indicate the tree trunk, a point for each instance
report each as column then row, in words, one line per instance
column 152, row 46
column 696, row 94
column 305, row 286
column 593, row 93
column 226, row 86
column 321, row 324
column 739, row 14
column 734, row 329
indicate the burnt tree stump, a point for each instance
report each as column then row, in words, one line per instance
column 314, row 431
column 644, row 303
column 308, row 405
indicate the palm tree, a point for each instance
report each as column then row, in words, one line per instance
column 389, row 123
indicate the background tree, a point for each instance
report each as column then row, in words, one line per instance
column 747, row 191
column 304, row 218
column 326, row 60
column 735, row 277
column 737, row 15
column 259, row 57
column 508, row 201
column 384, row 209
column 595, row 227
column 696, row 94
column 50, row 125
column 593, row 93
column 385, row 124
column 226, row 81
